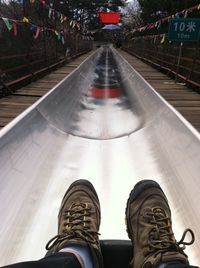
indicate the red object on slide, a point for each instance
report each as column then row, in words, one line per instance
column 109, row 17
column 105, row 93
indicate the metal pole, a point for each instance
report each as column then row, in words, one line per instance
column 194, row 62
column 44, row 32
column 178, row 63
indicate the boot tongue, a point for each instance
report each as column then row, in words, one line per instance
column 78, row 206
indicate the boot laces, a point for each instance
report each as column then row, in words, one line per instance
column 161, row 236
column 76, row 225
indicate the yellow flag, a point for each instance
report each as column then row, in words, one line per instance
column 186, row 14
column 163, row 39
column 25, row 20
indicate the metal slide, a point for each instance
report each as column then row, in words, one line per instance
column 103, row 123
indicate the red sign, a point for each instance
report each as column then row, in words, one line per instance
column 109, row 17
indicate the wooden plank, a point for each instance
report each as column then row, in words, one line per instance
column 54, row 77
column 18, row 100
column 5, row 121
column 29, row 94
column 181, row 103
column 186, row 101
column 45, row 85
column 13, row 105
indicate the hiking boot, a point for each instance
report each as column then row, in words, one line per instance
column 149, row 226
column 79, row 221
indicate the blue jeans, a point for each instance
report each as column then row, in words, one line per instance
column 58, row 260
column 68, row 260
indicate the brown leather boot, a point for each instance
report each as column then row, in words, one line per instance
column 79, row 221
column 149, row 227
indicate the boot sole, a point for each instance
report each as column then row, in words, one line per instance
column 135, row 193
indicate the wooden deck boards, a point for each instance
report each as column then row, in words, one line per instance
column 186, row 101
column 11, row 106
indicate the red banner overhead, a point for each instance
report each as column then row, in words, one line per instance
column 109, row 17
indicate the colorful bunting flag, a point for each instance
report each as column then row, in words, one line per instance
column 53, row 14
column 25, row 20
column 7, row 23
column 15, row 28
column 185, row 14
column 50, row 10
column 58, row 36
column 37, row 33
column 177, row 15
column 42, row 2
column 61, row 18
column 57, row 14
column 12, row 25
column 157, row 24
column 163, row 39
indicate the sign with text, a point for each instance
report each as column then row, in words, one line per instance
column 184, row 30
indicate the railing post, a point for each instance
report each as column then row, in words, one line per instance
column 179, row 60
column 196, row 54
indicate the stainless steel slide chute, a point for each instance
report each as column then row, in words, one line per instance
column 103, row 123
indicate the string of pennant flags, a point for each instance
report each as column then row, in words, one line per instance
column 12, row 25
column 156, row 25
column 52, row 13
column 158, row 38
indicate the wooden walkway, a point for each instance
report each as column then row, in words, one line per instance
column 186, row 101
column 183, row 99
column 11, row 106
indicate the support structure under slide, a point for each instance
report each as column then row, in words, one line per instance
column 103, row 123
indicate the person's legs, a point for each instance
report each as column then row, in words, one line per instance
column 59, row 260
column 77, row 243
column 176, row 265
column 149, row 227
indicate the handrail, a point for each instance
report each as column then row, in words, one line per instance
column 187, row 80
column 165, row 57
column 14, row 56
column 11, row 85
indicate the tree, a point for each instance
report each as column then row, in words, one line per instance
column 86, row 11
column 156, row 9
column 131, row 14
column 131, row 18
